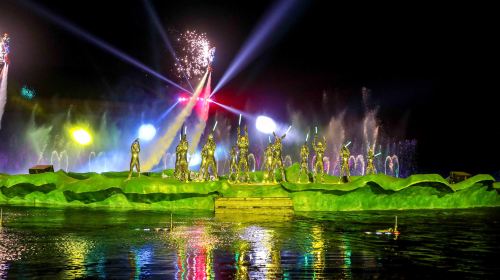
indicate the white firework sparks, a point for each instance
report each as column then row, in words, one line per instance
column 195, row 54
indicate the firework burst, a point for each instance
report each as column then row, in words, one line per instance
column 195, row 54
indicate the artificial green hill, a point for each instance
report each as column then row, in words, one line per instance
column 372, row 192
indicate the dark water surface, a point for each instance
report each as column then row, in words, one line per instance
column 81, row 243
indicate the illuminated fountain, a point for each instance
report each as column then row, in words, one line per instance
column 91, row 157
column 326, row 164
column 336, row 167
column 40, row 155
column 4, row 70
column 59, row 160
column 252, row 163
column 224, row 167
column 106, row 149
column 168, row 160
column 357, row 165
column 288, row 161
column 102, row 156
column 98, row 163
column 392, row 165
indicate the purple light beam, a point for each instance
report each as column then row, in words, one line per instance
column 252, row 46
column 68, row 26
column 164, row 36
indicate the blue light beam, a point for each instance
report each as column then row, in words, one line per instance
column 164, row 36
column 267, row 26
column 233, row 110
column 68, row 26
column 167, row 111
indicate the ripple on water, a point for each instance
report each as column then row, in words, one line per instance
column 79, row 243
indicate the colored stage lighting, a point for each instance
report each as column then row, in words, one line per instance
column 81, row 136
column 195, row 160
column 74, row 29
column 147, row 132
column 28, row 93
column 267, row 29
column 265, row 124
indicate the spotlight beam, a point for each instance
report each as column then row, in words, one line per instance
column 168, row 111
column 162, row 143
column 265, row 125
column 233, row 110
column 72, row 28
column 253, row 45
column 164, row 37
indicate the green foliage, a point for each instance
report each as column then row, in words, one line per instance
column 152, row 191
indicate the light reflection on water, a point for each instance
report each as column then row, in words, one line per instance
column 82, row 243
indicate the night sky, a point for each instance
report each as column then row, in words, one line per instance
column 430, row 69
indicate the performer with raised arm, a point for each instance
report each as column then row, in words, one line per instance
column 181, row 163
column 134, row 160
column 304, row 161
column 277, row 158
column 208, row 159
column 268, row 176
column 344, row 167
column 243, row 143
column 370, row 167
column 319, row 166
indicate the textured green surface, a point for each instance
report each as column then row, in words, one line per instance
column 373, row 192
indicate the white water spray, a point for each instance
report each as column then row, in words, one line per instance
column 3, row 91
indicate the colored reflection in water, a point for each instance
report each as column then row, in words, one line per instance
column 139, row 258
column 242, row 258
column 318, row 251
column 10, row 250
column 76, row 250
column 263, row 254
column 346, row 255
column 45, row 243
column 194, row 251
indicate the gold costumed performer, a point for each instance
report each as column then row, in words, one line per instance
column 344, row 167
column 304, row 161
column 134, row 160
column 268, row 164
column 319, row 148
column 181, row 163
column 370, row 167
column 208, row 159
column 243, row 143
column 277, row 158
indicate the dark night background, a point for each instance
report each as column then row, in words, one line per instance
column 430, row 69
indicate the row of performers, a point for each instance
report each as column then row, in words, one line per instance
column 273, row 160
